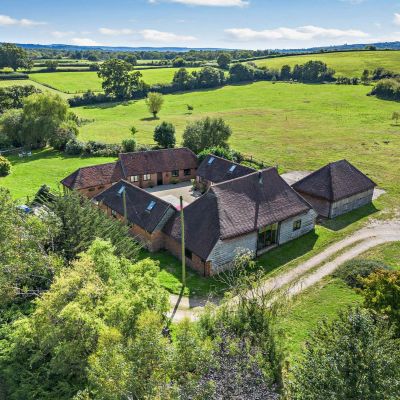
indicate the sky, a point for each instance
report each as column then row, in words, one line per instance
column 244, row 24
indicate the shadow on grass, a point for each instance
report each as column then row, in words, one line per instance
column 349, row 218
column 288, row 252
column 150, row 119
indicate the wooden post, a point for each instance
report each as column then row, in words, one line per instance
column 125, row 210
column 183, row 244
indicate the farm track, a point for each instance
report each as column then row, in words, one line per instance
column 311, row 271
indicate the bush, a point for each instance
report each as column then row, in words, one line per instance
column 218, row 151
column 74, row 147
column 388, row 89
column 129, row 145
column 61, row 137
column 353, row 271
column 5, row 166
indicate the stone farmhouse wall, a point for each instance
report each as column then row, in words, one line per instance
column 286, row 232
column 351, row 203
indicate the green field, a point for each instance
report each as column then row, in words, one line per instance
column 25, row 82
column 79, row 82
column 351, row 63
column 295, row 126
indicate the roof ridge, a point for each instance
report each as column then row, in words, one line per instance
column 245, row 176
column 228, row 161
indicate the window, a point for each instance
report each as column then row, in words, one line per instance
column 297, row 225
column 175, row 173
column 211, row 160
column 147, row 177
column 231, row 169
column 135, row 178
column 151, row 205
column 188, row 254
column 186, row 172
column 121, row 190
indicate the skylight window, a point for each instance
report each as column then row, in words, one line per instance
column 151, row 206
column 121, row 190
column 232, row 168
column 211, row 160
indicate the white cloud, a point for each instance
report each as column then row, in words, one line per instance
column 153, row 35
column 84, row 42
column 115, row 32
column 353, row 1
column 309, row 32
column 61, row 34
column 209, row 3
column 6, row 20
column 396, row 18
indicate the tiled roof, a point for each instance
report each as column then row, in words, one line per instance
column 137, row 205
column 150, row 162
column 235, row 208
column 216, row 169
column 335, row 181
column 95, row 175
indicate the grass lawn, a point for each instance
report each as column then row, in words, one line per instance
column 324, row 300
column 295, row 126
column 347, row 63
column 388, row 253
column 79, row 82
column 44, row 167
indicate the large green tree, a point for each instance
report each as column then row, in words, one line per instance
column 14, row 57
column 354, row 357
column 205, row 133
column 164, row 135
column 119, row 78
column 223, row 60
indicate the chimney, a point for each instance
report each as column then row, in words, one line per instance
column 260, row 178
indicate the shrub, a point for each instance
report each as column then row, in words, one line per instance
column 62, row 136
column 218, row 151
column 74, row 147
column 129, row 145
column 353, row 271
column 388, row 89
column 5, row 166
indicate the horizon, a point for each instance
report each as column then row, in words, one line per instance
column 221, row 24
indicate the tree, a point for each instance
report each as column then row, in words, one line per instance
column 51, row 65
column 154, row 102
column 183, row 80
column 63, row 134
column 209, row 77
column 223, row 60
column 208, row 132
column 119, row 79
column 164, row 135
column 13, row 96
column 286, row 72
column 11, row 127
column 14, row 57
column 5, row 166
column 241, row 72
column 178, row 62
column 42, row 115
column 382, row 293
column 353, row 357
column 365, row 77
column 396, row 116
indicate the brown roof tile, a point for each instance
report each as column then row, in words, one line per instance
column 216, row 169
column 137, row 203
column 95, row 175
column 150, row 162
column 235, row 208
column 335, row 181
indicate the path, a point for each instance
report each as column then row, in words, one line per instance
column 319, row 266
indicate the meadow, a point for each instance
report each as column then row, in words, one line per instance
column 26, row 82
column 79, row 82
column 294, row 126
column 350, row 63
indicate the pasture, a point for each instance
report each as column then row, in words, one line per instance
column 295, row 126
column 26, row 82
column 351, row 63
column 79, row 82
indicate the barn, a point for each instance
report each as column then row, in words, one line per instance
column 336, row 189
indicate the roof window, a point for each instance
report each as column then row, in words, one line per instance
column 151, row 205
column 211, row 160
column 121, row 190
column 232, row 168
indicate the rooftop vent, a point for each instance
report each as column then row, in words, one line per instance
column 151, row 205
column 211, row 160
column 232, row 168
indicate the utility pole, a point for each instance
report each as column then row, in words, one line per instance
column 183, row 244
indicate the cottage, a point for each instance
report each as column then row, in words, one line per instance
column 336, row 188
column 214, row 169
column 145, row 214
column 255, row 212
column 143, row 169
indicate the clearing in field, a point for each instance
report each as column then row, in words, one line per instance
column 348, row 63
column 79, row 82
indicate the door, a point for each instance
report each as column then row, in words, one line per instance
column 267, row 236
column 159, row 178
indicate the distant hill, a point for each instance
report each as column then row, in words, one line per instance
column 344, row 47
